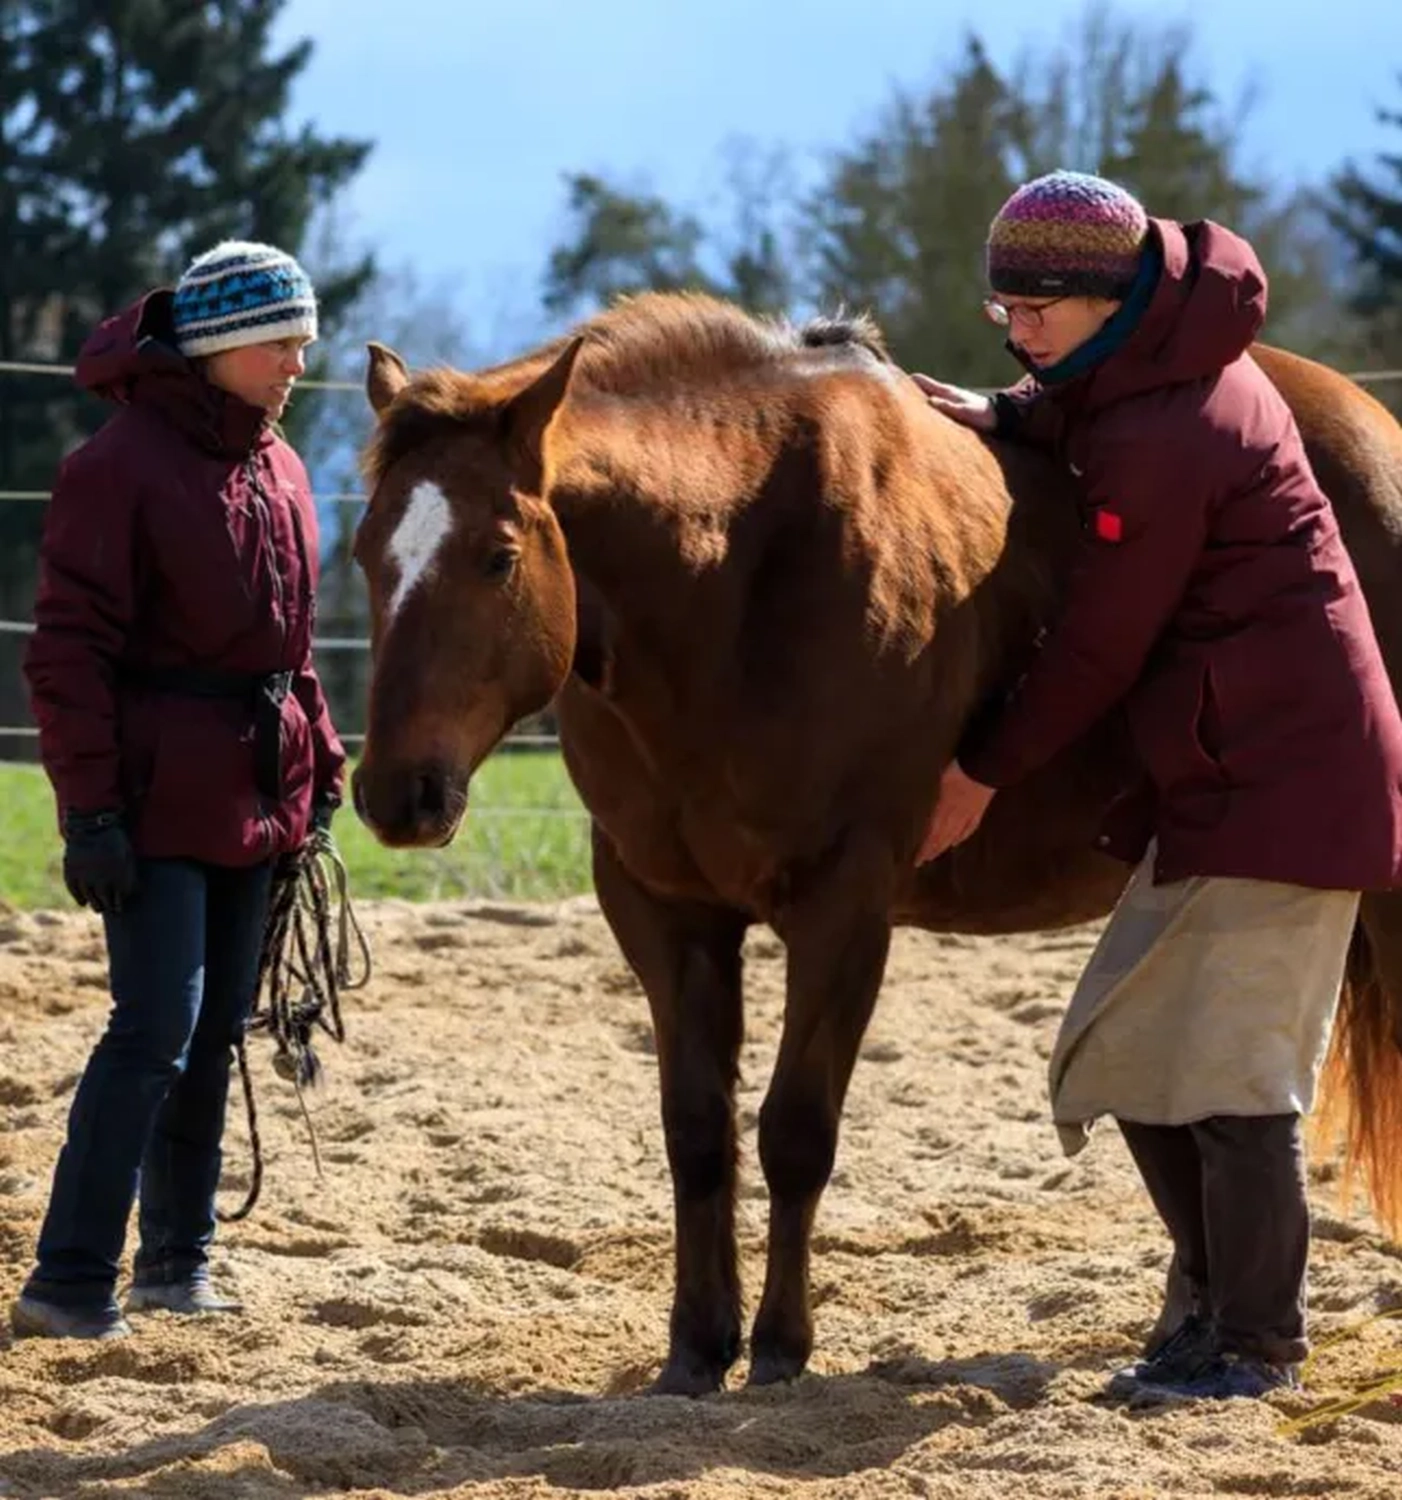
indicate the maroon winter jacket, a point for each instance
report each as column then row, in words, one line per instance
column 1214, row 599
column 178, row 575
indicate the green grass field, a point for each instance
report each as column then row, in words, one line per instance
column 525, row 837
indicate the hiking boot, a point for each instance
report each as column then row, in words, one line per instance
column 184, row 1297
column 33, row 1318
column 1188, row 1353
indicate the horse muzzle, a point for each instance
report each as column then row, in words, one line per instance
column 410, row 807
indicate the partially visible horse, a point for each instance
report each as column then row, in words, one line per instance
column 767, row 587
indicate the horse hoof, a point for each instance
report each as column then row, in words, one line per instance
column 679, row 1378
column 773, row 1369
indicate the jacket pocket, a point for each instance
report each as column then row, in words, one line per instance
column 298, row 759
column 1175, row 719
column 138, row 734
column 1282, row 697
column 202, row 793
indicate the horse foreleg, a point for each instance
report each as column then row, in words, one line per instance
column 687, row 957
column 838, row 935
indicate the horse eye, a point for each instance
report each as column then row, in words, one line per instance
column 500, row 563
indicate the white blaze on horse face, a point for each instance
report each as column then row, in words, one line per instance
column 422, row 530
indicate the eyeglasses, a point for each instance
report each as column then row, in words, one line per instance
column 1029, row 314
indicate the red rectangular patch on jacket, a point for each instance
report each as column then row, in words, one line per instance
column 1109, row 526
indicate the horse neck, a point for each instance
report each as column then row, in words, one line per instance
column 646, row 505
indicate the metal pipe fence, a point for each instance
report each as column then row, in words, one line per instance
column 349, row 643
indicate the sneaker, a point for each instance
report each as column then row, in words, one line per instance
column 1186, row 1354
column 33, row 1318
column 184, row 1297
column 1240, row 1375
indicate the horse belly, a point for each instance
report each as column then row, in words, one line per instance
column 1035, row 863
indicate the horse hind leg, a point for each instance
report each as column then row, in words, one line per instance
column 1361, row 1101
column 687, row 958
column 838, row 936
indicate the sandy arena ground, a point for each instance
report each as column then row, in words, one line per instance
column 473, row 1299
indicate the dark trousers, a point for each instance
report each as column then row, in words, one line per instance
column 1232, row 1193
column 148, row 1115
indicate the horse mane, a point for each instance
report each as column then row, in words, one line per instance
column 695, row 339
column 638, row 345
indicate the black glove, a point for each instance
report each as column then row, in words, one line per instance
column 99, row 864
column 324, row 806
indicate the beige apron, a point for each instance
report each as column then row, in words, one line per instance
column 1209, row 996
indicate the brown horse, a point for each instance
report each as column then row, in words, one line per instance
column 767, row 588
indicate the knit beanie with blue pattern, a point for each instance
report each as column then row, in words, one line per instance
column 1067, row 234
column 242, row 293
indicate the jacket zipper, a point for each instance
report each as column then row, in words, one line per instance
column 265, row 516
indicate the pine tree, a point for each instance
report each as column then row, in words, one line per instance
column 621, row 241
column 898, row 229
column 1366, row 210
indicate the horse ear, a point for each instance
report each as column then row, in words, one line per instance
column 526, row 416
column 385, row 375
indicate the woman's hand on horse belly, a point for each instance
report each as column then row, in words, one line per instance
column 958, row 811
column 954, row 401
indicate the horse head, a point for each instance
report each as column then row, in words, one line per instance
column 472, row 599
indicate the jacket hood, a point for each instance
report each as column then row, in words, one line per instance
column 1206, row 311
column 131, row 359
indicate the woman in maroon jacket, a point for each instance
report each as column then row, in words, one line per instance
column 1214, row 605
column 188, row 742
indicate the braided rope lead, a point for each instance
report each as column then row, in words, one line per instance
column 313, row 951
column 1387, row 1386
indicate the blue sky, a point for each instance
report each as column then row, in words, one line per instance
column 479, row 107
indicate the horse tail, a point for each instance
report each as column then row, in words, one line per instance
column 1361, row 1099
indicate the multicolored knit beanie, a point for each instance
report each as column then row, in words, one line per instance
column 1067, row 234
column 242, row 293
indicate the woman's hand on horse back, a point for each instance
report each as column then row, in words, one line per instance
column 958, row 811
column 954, row 401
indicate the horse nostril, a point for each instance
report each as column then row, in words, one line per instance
column 430, row 795
column 358, row 797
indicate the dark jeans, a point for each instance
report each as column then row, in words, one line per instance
column 1231, row 1190
column 149, row 1110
